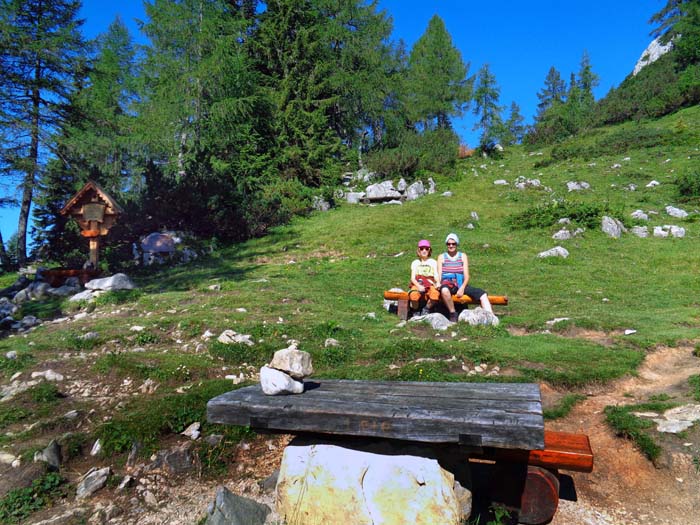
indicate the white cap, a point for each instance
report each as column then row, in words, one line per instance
column 452, row 236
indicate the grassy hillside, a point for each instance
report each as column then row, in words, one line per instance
column 319, row 277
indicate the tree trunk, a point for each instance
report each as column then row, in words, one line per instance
column 4, row 258
column 30, row 176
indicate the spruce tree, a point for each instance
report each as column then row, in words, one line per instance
column 514, row 127
column 553, row 91
column 587, row 80
column 40, row 44
column 487, row 108
column 437, row 78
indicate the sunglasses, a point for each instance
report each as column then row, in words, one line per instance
column 451, row 243
column 423, row 248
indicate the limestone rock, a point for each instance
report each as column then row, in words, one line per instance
column 229, row 337
column 51, row 455
column 557, row 251
column 296, row 363
column 436, row 320
column 118, row 281
column 176, row 460
column 652, row 53
column 85, row 295
column 49, row 375
column 274, row 382
column 612, row 227
column 320, row 482
column 668, row 229
column 230, row 509
column 640, row 215
column 415, row 191
column 676, row 212
column 92, row 481
column 192, row 431
column 478, row 316
column 577, row 186
column 382, row 190
column 640, row 231
column 354, row 197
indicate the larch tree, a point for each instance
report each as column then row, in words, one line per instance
column 40, row 45
column 438, row 87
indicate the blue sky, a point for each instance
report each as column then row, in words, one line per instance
column 519, row 39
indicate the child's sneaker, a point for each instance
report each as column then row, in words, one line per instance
column 453, row 317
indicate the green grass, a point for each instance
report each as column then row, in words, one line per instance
column 563, row 407
column 18, row 504
column 694, row 382
column 626, row 424
column 146, row 419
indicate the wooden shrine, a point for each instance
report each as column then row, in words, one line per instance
column 96, row 212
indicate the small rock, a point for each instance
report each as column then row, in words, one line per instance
column 92, row 481
column 274, row 382
column 150, row 499
column 676, row 212
column 230, row 509
column 557, row 251
column 192, row 431
column 96, row 448
column 330, row 342
column 296, row 363
column 653, row 184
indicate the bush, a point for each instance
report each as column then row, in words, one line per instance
column 689, row 185
column 433, row 151
column 548, row 213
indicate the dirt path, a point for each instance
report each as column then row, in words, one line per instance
column 625, row 487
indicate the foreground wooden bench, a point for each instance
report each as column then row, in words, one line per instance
column 500, row 424
column 404, row 304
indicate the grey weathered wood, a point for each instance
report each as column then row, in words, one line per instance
column 482, row 414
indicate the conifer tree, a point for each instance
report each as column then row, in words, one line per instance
column 487, row 108
column 39, row 46
column 679, row 21
column 437, row 80
column 587, row 80
column 514, row 127
column 553, row 92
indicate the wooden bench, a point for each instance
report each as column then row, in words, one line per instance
column 496, row 423
column 404, row 306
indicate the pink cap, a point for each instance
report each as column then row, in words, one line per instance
column 423, row 243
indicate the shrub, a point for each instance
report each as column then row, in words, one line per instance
column 548, row 213
column 433, row 151
column 689, row 185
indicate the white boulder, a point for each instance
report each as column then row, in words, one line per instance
column 319, row 483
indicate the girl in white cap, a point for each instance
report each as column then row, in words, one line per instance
column 453, row 269
column 424, row 277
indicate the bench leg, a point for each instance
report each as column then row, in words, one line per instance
column 403, row 309
column 531, row 492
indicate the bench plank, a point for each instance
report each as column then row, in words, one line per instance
column 478, row 414
column 562, row 450
column 501, row 300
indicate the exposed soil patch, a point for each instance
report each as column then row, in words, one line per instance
column 625, row 487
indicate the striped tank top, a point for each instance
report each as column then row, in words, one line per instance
column 453, row 268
